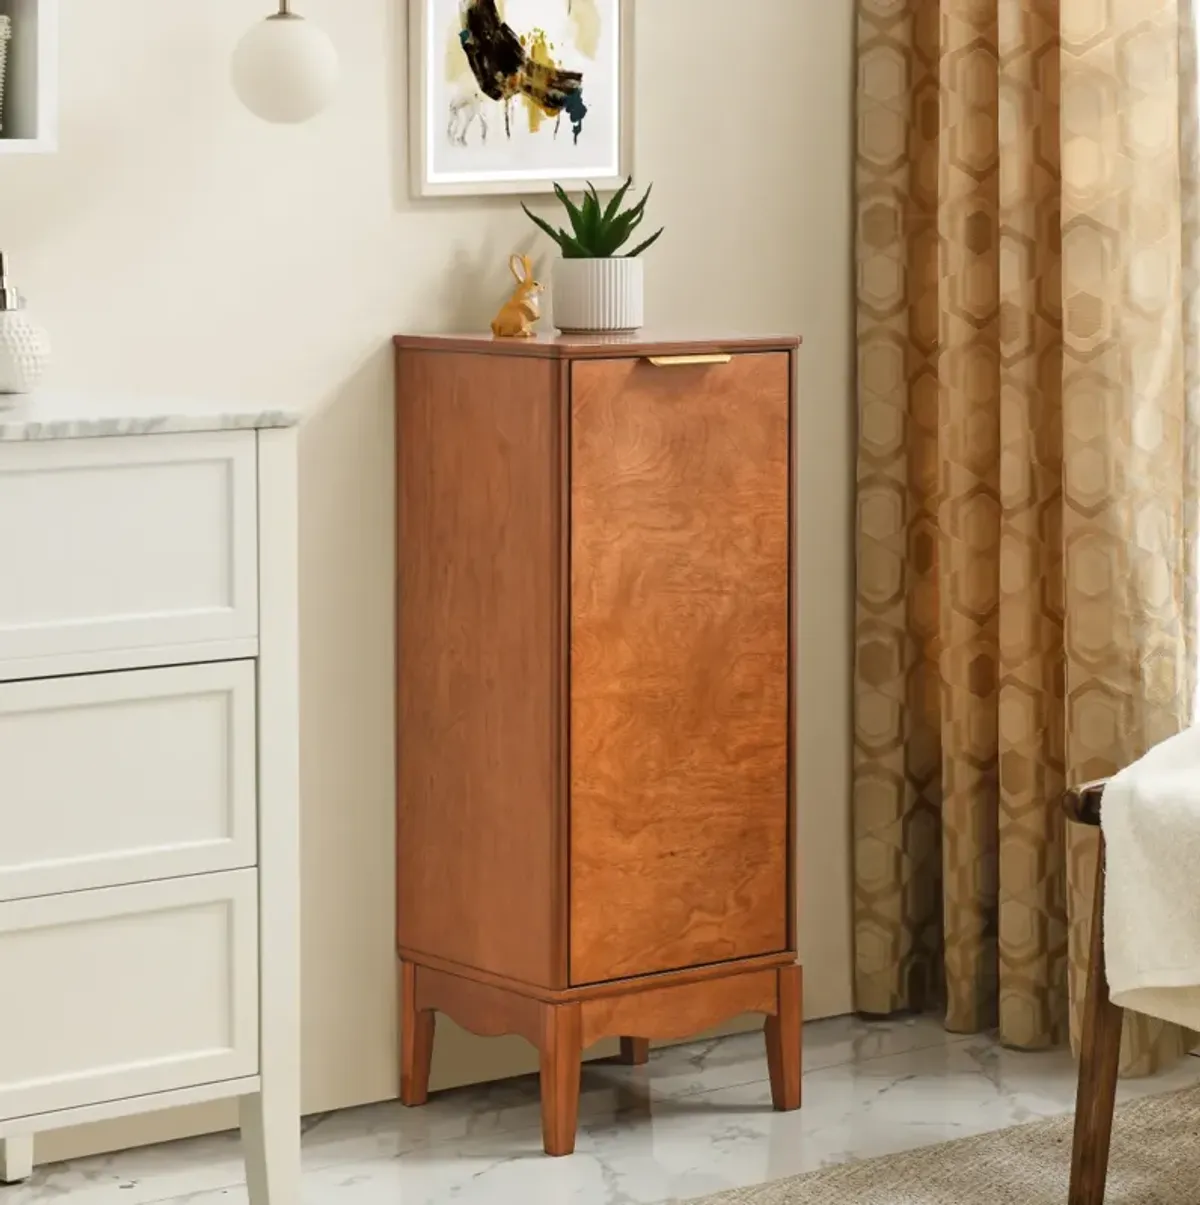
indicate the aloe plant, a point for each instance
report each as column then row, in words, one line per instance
column 597, row 232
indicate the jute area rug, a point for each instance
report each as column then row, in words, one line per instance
column 1155, row 1161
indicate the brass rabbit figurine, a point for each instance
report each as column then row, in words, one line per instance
column 518, row 314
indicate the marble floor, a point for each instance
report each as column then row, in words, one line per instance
column 695, row 1121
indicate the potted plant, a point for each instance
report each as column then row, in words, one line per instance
column 596, row 286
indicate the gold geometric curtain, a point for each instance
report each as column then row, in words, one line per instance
column 1027, row 482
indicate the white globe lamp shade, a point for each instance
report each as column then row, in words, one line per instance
column 285, row 70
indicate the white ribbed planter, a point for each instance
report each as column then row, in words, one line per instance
column 598, row 294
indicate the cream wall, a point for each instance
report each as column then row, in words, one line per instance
column 175, row 245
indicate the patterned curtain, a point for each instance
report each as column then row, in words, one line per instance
column 1027, row 482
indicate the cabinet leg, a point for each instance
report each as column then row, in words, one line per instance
column 16, row 1158
column 561, row 1060
column 271, row 1143
column 416, row 1040
column 635, row 1052
column 783, row 1034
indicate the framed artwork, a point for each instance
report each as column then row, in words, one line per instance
column 511, row 96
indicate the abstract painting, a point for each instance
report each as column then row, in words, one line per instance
column 515, row 95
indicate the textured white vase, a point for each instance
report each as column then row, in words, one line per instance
column 598, row 294
column 24, row 353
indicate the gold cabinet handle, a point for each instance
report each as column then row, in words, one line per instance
column 676, row 361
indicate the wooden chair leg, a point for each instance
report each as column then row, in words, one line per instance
column 416, row 1040
column 635, row 1052
column 561, row 1060
column 1099, row 1059
column 784, row 1036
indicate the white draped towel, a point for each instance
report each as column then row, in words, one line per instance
column 1150, row 815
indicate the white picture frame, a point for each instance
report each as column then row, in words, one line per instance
column 437, row 169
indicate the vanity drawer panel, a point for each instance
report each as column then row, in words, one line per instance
column 127, row 542
column 125, row 777
column 127, row 991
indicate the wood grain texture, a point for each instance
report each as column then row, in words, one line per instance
column 784, row 1037
column 488, row 1012
column 1099, row 1063
column 560, row 935
column 679, row 664
column 607, row 987
column 416, row 1040
column 593, row 710
column 793, row 837
column 548, row 345
column 561, row 1050
column 479, row 492
column 671, row 1013
column 562, row 1030
column 635, row 1052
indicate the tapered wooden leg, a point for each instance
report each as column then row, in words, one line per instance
column 561, row 1058
column 783, row 1033
column 1099, row 1060
column 16, row 1158
column 416, row 1040
column 635, row 1052
column 271, row 1144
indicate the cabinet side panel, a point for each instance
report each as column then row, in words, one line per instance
column 478, row 492
column 793, row 841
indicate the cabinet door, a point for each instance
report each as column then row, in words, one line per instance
column 679, row 664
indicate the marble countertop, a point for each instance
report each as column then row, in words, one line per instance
column 53, row 415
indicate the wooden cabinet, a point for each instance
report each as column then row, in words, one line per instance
column 594, row 726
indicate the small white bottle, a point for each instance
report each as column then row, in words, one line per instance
column 24, row 346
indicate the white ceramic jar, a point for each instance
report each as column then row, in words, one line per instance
column 596, row 295
column 24, row 352
column 24, row 345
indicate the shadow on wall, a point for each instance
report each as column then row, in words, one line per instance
column 347, row 820
column 477, row 283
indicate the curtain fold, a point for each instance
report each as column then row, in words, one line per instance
column 1027, row 481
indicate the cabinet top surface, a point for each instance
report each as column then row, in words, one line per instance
column 572, row 347
column 53, row 415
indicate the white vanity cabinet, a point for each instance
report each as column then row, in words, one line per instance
column 149, row 846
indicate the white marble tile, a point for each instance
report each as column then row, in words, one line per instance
column 607, row 1088
column 153, row 1173
column 696, row 1121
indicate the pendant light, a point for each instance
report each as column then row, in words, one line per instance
column 285, row 69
